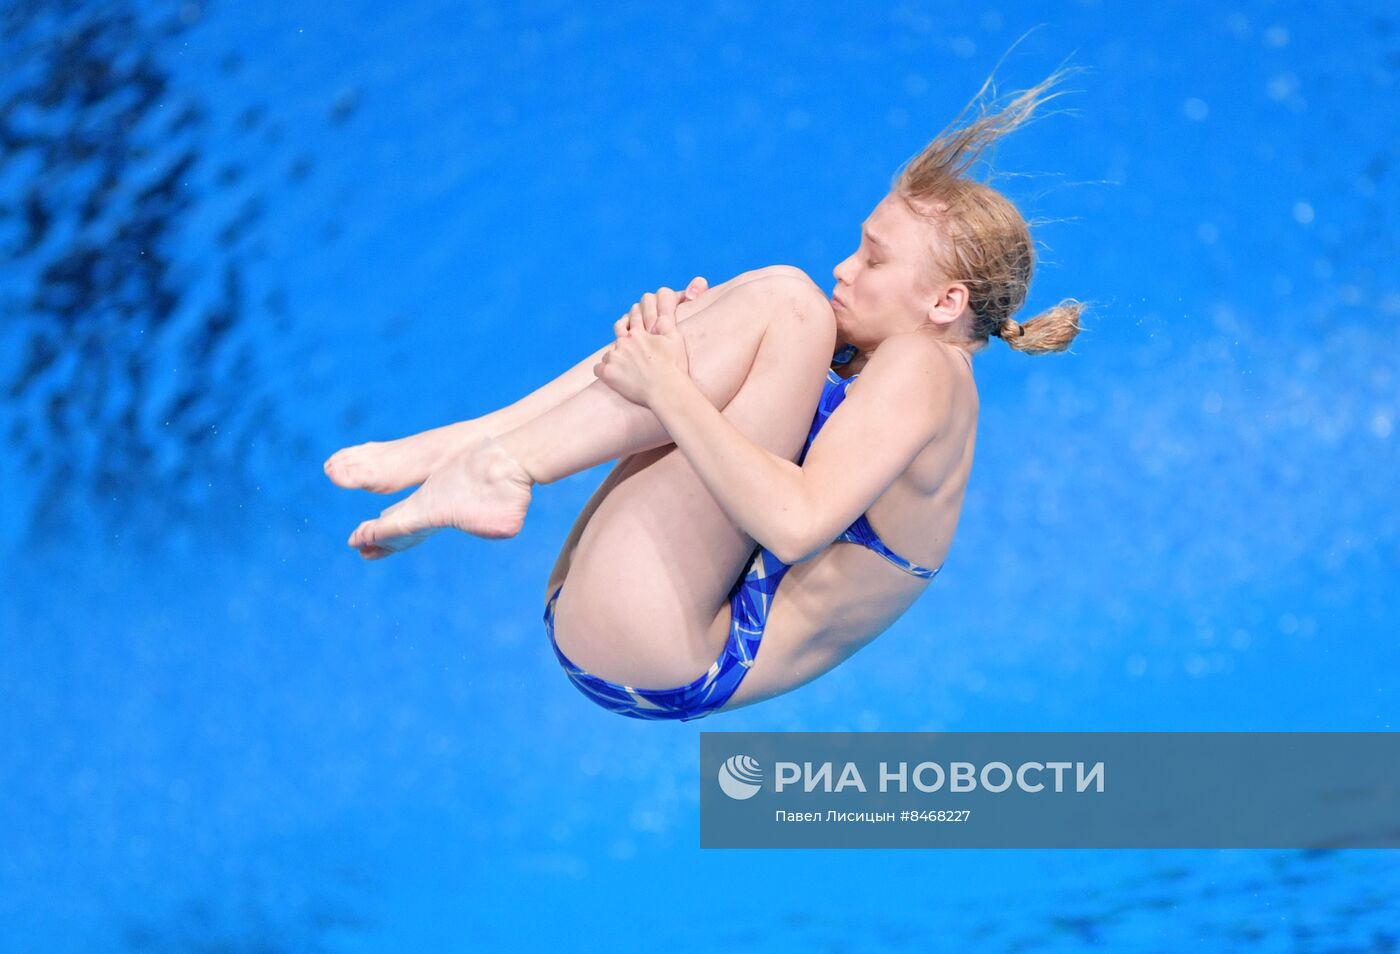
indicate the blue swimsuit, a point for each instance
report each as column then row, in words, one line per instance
column 749, row 602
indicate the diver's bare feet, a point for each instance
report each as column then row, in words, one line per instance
column 388, row 466
column 481, row 491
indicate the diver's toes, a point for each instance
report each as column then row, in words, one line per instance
column 362, row 535
column 344, row 469
column 340, row 470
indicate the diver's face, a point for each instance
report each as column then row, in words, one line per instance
column 880, row 286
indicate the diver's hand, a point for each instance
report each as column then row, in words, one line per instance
column 641, row 361
column 644, row 312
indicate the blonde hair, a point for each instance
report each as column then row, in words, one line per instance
column 988, row 244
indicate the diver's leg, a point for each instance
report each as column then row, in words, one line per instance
column 389, row 466
column 645, row 600
column 486, row 489
column 620, row 472
column 598, row 424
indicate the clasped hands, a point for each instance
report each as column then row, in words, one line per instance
column 649, row 346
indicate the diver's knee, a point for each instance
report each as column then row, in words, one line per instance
column 790, row 271
column 794, row 296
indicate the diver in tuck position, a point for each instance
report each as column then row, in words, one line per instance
column 758, row 427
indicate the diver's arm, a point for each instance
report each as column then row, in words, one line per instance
column 796, row 511
column 864, row 447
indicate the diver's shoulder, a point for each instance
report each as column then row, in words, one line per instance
column 925, row 364
column 916, row 349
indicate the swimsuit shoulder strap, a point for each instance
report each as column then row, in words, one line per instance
column 863, row 533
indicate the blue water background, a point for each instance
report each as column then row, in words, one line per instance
column 226, row 732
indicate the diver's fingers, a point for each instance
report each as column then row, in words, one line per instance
column 666, row 301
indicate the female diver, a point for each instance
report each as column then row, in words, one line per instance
column 709, row 561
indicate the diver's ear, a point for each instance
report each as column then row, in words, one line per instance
column 948, row 303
